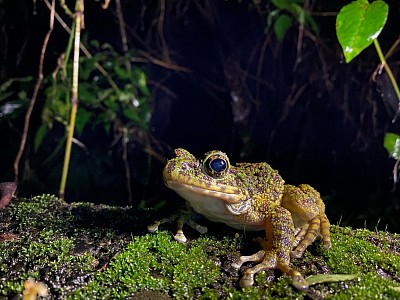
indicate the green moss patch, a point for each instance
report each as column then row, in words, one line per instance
column 154, row 262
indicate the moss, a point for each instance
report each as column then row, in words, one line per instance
column 48, row 258
column 35, row 213
column 355, row 246
column 370, row 286
column 154, row 262
column 53, row 242
column 86, row 251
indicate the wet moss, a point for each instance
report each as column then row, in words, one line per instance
column 154, row 262
column 44, row 239
column 84, row 251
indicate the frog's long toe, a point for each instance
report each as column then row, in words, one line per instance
column 180, row 237
column 248, row 276
column 257, row 257
column 319, row 226
column 246, row 280
column 325, row 231
column 181, row 218
column 299, row 282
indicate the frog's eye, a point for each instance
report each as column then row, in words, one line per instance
column 216, row 164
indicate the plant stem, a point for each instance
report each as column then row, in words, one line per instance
column 85, row 50
column 34, row 96
column 74, row 99
column 387, row 68
column 125, row 140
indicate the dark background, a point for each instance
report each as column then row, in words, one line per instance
column 300, row 107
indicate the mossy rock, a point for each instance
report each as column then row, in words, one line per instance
column 86, row 251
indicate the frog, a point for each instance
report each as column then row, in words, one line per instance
column 253, row 197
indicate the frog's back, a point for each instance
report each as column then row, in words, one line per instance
column 261, row 181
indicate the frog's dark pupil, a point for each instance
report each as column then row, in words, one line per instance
column 218, row 165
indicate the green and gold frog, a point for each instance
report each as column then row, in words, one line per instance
column 252, row 196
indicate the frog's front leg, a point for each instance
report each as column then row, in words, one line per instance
column 184, row 216
column 308, row 213
column 276, row 249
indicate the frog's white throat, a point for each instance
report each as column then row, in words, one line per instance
column 216, row 210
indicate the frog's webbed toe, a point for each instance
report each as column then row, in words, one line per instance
column 257, row 257
column 181, row 218
column 319, row 226
column 268, row 260
column 299, row 282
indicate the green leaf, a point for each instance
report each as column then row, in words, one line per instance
column 82, row 119
column 95, row 43
column 321, row 278
column 142, row 84
column 121, row 71
column 282, row 25
column 296, row 10
column 86, row 67
column 40, row 134
column 272, row 16
column 299, row 13
column 131, row 114
column 391, row 143
column 358, row 24
column 285, row 4
column 311, row 23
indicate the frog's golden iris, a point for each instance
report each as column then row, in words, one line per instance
column 252, row 196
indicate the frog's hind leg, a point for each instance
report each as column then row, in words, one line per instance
column 270, row 260
column 300, row 233
column 308, row 212
column 318, row 226
column 276, row 249
column 305, row 237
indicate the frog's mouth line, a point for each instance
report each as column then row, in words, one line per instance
column 228, row 194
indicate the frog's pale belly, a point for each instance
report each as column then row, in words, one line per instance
column 215, row 210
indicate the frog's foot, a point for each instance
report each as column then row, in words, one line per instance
column 181, row 219
column 309, row 232
column 268, row 260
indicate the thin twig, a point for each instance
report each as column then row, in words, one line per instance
column 125, row 141
column 261, row 63
column 379, row 67
column 164, row 64
column 125, row 138
column 34, row 96
column 161, row 31
column 387, row 68
column 122, row 30
column 105, row 4
column 66, row 8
